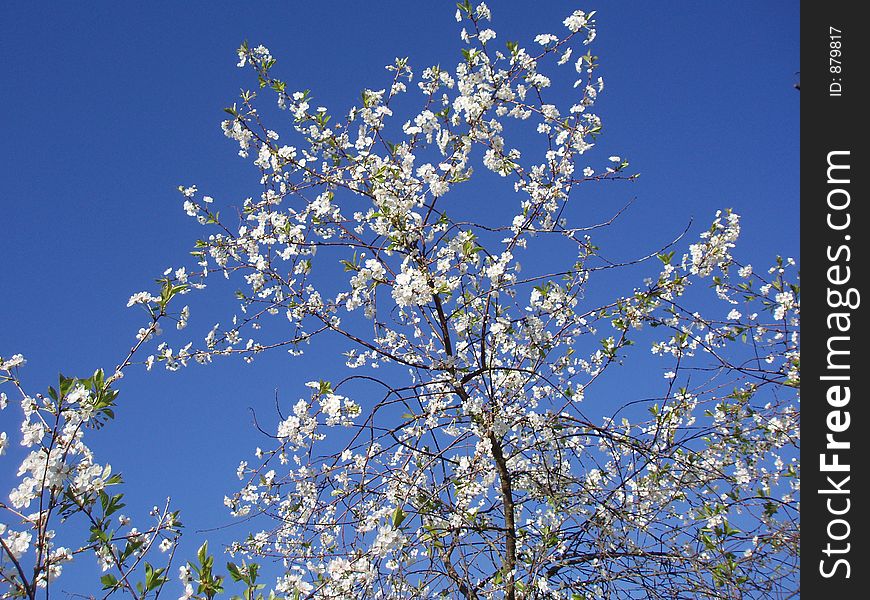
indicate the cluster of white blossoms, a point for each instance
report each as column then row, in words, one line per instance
column 58, row 479
column 486, row 456
column 716, row 245
column 411, row 287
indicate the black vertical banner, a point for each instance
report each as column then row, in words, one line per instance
column 835, row 424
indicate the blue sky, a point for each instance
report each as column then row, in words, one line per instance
column 110, row 108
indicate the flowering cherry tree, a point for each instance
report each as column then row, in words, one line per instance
column 470, row 445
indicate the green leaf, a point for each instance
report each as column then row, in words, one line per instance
column 234, row 571
column 202, row 553
column 109, row 581
column 153, row 577
column 349, row 266
column 398, row 516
